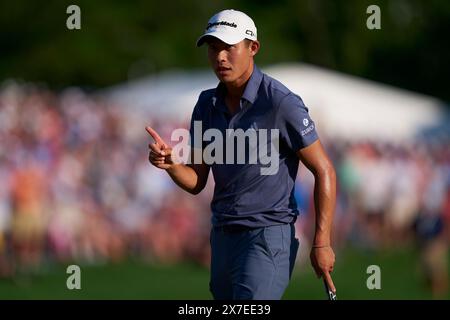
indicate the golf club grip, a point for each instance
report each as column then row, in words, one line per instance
column 330, row 294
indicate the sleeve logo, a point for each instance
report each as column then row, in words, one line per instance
column 305, row 122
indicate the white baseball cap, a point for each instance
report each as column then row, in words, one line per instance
column 230, row 26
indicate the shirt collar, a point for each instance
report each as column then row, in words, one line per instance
column 251, row 90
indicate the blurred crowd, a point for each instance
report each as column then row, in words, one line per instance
column 76, row 185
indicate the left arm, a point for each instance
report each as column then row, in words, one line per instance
column 316, row 160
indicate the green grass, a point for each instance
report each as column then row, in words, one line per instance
column 400, row 279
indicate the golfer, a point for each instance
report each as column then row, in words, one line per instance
column 253, row 244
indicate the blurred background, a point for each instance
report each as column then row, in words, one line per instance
column 76, row 186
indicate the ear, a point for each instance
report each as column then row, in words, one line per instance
column 254, row 47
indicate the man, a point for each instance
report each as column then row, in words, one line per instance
column 253, row 244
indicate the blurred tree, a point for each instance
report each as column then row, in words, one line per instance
column 120, row 40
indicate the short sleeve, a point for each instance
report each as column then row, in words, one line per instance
column 296, row 127
column 195, row 117
column 198, row 125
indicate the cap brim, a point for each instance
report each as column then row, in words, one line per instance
column 225, row 37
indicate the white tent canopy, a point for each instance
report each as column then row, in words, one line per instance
column 341, row 105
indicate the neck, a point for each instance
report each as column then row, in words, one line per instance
column 235, row 90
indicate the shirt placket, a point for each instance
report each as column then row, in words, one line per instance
column 244, row 105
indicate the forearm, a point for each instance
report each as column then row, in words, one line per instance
column 185, row 177
column 325, row 202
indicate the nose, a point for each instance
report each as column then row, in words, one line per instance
column 221, row 56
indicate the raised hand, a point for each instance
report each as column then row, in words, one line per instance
column 160, row 154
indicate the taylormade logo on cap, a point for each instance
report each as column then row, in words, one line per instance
column 224, row 23
column 230, row 26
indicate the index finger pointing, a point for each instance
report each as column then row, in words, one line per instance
column 155, row 136
column 329, row 281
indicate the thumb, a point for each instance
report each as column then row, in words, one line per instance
column 166, row 151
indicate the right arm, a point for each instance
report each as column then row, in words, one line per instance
column 190, row 177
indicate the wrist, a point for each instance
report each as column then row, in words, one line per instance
column 320, row 246
column 321, row 243
column 321, row 239
column 170, row 168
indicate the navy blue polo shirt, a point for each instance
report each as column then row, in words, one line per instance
column 242, row 195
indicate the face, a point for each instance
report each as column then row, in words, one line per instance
column 232, row 64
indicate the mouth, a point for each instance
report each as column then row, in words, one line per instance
column 223, row 70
